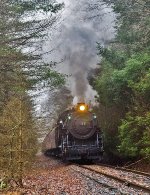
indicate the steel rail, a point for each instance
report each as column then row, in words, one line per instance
column 124, row 181
column 97, row 181
column 125, row 169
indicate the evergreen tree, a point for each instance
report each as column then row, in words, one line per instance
column 18, row 72
column 123, row 82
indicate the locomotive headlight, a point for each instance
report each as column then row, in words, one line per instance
column 94, row 116
column 69, row 117
column 82, row 108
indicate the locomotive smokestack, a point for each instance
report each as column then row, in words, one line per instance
column 81, row 100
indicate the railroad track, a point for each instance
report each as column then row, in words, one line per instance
column 127, row 177
column 125, row 169
column 108, row 171
column 103, row 185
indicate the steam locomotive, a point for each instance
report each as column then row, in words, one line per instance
column 76, row 136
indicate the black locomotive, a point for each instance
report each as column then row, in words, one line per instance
column 76, row 136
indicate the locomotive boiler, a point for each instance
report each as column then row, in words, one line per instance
column 76, row 136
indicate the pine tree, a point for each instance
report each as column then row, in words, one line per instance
column 17, row 129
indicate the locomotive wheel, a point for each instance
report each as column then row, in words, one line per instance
column 99, row 160
column 64, row 154
column 64, row 157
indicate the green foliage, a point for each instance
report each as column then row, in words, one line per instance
column 142, row 88
column 53, row 78
column 36, row 5
column 124, row 80
column 133, row 24
column 102, row 83
column 112, row 87
column 17, row 129
column 18, row 138
column 16, row 33
column 128, row 87
column 118, row 86
column 48, row 77
column 134, row 134
column 113, row 57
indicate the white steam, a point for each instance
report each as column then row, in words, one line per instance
column 83, row 23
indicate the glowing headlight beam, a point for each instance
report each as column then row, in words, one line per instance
column 82, row 108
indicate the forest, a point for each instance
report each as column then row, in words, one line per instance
column 122, row 81
column 19, row 72
column 123, row 84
